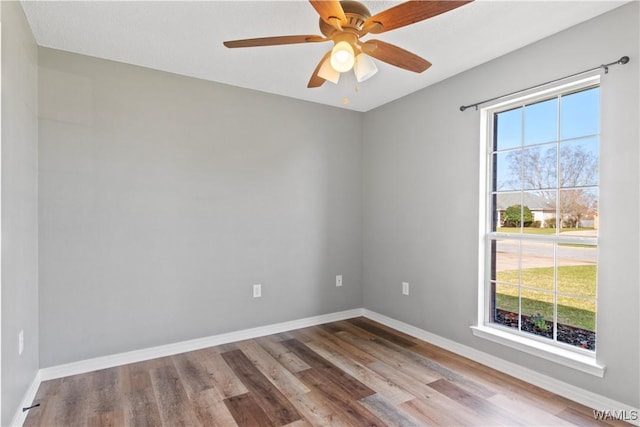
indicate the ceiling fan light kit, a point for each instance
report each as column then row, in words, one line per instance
column 342, row 57
column 327, row 72
column 365, row 68
column 345, row 22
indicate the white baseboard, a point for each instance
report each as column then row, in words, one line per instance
column 27, row 399
column 585, row 397
column 553, row 385
column 110, row 361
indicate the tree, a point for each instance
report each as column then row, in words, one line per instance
column 515, row 215
column 536, row 169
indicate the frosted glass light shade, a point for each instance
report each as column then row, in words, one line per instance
column 342, row 57
column 365, row 68
column 327, row 72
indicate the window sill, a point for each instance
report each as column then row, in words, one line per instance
column 581, row 362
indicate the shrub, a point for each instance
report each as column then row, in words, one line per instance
column 516, row 214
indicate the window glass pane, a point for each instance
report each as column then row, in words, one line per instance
column 579, row 162
column 538, row 265
column 537, row 312
column 580, row 114
column 507, row 261
column 577, row 269
column 544, row 192
column 506, row 305
column 577, row 322
column 509, row 212
column 539, row 212
column 579, row 212
column 506, row 167
column 509, row 129
column 539, row 166
column 541, row 122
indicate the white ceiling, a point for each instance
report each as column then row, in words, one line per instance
column 186, row 38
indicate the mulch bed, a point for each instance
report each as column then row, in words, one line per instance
column 578, row 337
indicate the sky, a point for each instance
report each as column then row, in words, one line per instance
column 540, row 126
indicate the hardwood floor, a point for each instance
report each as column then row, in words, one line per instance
column 349, row 373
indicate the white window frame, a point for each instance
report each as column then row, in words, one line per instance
column 565, row 355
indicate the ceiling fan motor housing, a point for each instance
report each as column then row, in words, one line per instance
column 356, row 14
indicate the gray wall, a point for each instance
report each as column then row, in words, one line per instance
column 421, row 178
column 19, row 207
column 164, row 198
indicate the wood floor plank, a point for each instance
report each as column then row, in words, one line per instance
column 314, row 407
column 336, row 398
column 45, row 396
column 346, row 373
column 113, row 418
column 283, row 379
column 382, row 333
column 414, row 385
column 392, row 358
column 299, row 423
column 105, row 397
column 371, row 379
column 275, row 404
column 173, row 402
column 476, row 403
column 580, row 418
column 417, row 360
column 247, row 412
column 141, row 408
column 320, row 334
column 73, row 402
column 443, row 371
column 225, row 380
column 337, row 376
column 211, row 410
column 532, row 414
column 442, row 411
column 576, row 418
column 491, row 379
column 279, row 352
column 388, row 412
column 193, row 374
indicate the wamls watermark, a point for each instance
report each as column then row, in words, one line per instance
column 620, row 415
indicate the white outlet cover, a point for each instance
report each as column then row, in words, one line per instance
column 405, row 288
column 20, row 342
column 257, row 290
column 339, row 280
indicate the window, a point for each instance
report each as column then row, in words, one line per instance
column 540, row 219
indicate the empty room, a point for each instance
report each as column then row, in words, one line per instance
column 320, row 213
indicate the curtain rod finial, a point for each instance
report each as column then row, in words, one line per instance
column 462, row 108
column 623, row 60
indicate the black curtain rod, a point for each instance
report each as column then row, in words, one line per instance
column 620, row 61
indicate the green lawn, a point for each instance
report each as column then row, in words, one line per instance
column 576, row 280
column 535, row 230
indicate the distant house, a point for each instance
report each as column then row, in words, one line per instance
column 540, row 208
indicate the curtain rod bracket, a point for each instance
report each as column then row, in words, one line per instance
column 623, row 60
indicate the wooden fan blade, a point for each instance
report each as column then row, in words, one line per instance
column 328, row 9
column 409, row 13
column 274, row 41
column 396, row 56
column 316, row 80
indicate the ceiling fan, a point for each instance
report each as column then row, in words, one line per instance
column 345, row 22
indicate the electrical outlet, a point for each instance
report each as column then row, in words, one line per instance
column 405, row 288
column 339, row 280
column 257, row 290
column 20, row 342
